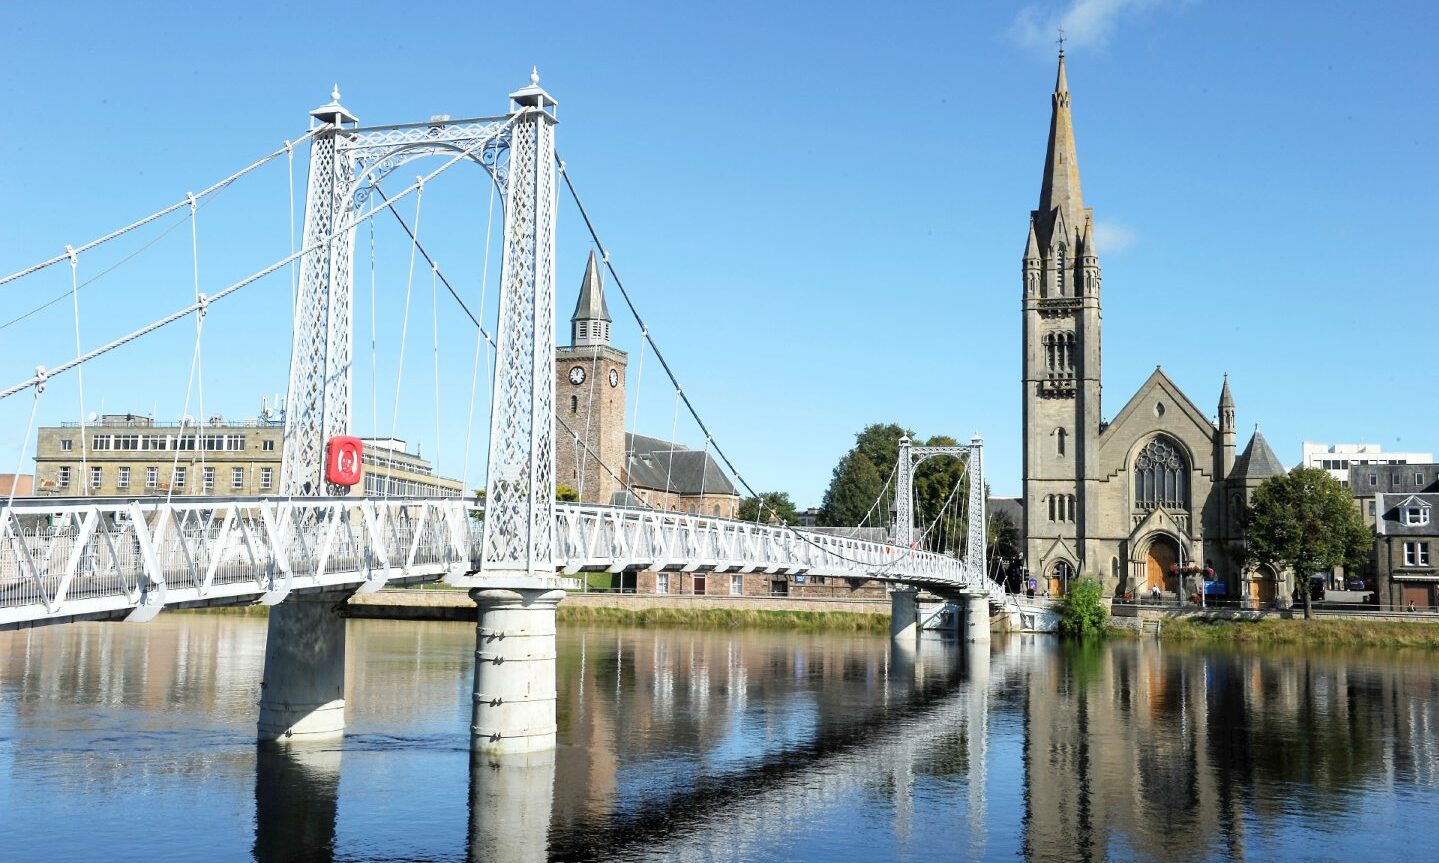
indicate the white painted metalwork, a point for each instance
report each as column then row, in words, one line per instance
column 347, row 162
column 61, row 559
column 910, row 458
column 519, row 530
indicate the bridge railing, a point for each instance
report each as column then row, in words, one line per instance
column 71, row 556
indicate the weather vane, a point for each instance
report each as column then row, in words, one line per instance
column 1061, row 40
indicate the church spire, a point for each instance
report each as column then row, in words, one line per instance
column 1060, row 189
column 590, row 324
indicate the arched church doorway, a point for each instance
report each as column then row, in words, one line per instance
column 1060, row 578
column 1262, row 587
column 1163, row 554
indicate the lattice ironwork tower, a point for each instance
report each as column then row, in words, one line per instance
column 910, row 458
column 519, row 532
column 317, row 403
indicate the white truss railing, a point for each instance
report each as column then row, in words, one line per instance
column 61, row 559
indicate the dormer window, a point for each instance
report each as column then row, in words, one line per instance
column 1415, row 514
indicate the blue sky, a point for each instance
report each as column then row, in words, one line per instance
column 819, row 208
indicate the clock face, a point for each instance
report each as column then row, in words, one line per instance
column 614, row 377
column 577, row 375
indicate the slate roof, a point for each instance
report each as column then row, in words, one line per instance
column 1258, row 461
column 659, row 464
column 1012, row 507
column 1391, row 521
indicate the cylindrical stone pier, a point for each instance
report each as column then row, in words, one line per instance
column 903, row 616
column 976, row 619
column 302, row 696
column 514, row 709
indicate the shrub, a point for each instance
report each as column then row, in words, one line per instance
column 1082, row 612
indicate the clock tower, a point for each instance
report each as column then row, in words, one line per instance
column 590, row 398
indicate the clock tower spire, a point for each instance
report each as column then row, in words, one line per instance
column 590, row 398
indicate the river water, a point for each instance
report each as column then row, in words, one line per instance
column 122, row 742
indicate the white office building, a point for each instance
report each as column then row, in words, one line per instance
column 1337, row 458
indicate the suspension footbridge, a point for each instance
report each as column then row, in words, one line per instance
column 315, row 542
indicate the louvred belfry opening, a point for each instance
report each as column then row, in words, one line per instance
column 343, row 458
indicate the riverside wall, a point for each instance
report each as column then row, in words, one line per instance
column 434, row 604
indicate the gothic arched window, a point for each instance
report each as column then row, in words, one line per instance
column 1059, row 436
column 1060, row 264
column 574, row 404
column 1160, row 476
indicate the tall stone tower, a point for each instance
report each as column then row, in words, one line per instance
column 1061, row 356
column 590, row 398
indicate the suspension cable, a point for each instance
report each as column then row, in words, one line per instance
column 209, row 190
column 179, row 314
column 75, row 304
column 435, row 322
column 659, row 355
column 199, row 352
column 25, row 441
column 480, row 334
column 404, row 332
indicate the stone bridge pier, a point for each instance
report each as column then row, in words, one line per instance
column 908, row 613
column 302, row 693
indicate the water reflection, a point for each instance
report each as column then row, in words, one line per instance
column 726, row 746
column 296, row 796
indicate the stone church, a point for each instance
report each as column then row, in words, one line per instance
column 1133, row 501
column 594, row 454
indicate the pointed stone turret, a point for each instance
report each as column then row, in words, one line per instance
column 590, row 324
column 1060, row 189
column 1226, row 430
column 1031, row 248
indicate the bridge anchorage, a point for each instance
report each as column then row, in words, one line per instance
column 305, row 551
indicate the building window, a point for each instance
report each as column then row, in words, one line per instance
column 62, row 477
column 1373, row 478
column 1415, row 515
column 1059, row 440
column 66, row 444
column 267, row 475
column 662, row 582
column 237, row 477
column 97, row 477
column 574, row 404
column 1371, row 509
column 208, row 478
column 736, row 584
column 100, row 442
column 1416, row 554
column 124, row 479
column 716, row 511
column 267, row 446
column 1418, row 479
column 1160, row 476
column 177, row 479
column 152, row 477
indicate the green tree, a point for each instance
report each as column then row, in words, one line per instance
column 1002, row 543
column 776, row 507
column 852, row 490
column 1081, row 611
column 941, row 481
column 1306, row 522
column 851, row 496
column 565, row 491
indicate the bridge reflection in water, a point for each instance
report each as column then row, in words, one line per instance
column 873, row 717
column 726, row 746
